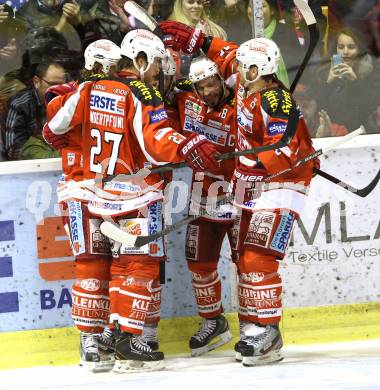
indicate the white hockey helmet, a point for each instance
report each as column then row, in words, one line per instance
column 261, row 52
column 202, row 68
column 145, row 41
column 169, row 66
column 104, row 52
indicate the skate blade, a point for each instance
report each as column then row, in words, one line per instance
column 269, row 358
column 217, row 342
column 102, row 366
column 126, row 366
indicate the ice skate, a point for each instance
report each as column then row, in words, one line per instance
column 213, row 333
column 261, row 345
column 90, row 357
column 240, row 343
column 106, row 340
column 149, row 335
column 134, row 354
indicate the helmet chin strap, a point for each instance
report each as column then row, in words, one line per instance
column 254, row 80
column 141, row 69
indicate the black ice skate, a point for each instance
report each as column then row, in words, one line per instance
column 149, row 335
column 91, row 357
column 213, row 333
column 106, row 341
column 240, row 343
column 134, row 354
column 262, row 345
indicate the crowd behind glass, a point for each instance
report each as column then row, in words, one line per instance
column 42, row 44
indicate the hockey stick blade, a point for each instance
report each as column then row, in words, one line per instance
column 115, row 233
column 141, row 14
column 362, row 192
column 306, row 11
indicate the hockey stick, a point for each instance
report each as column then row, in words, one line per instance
column 309, row 18
column 362, row 192
column 140, row 14
column 114, row 232
column 290, row 130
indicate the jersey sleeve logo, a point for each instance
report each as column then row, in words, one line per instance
column 275, row 128
column 277, row 103
column 157, row 115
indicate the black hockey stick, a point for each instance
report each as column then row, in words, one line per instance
column 290, row 130
column 309, row 18
column 114, row 232
column 362, row 192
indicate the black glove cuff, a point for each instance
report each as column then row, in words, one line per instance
column 206, row 43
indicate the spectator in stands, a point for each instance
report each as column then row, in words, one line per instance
column 26, row 115
column 318, row 121
column 232, row 16
column 373, row 121
column 44, row 42
column 10, row 32
column 63, row 15
column 361, row 15
column 192, row 13
column 105, row 20
column 164, row 9
column 9, row 86
column 286, row 39
column 348, row 82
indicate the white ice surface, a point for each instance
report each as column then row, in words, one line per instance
column 354, row 365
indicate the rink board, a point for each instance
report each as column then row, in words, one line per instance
column 333, row 259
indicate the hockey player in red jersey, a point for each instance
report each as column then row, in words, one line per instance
column 125, row 128
column 206, row 106
column 268, row 212
column 169, row 68
column 92, row 257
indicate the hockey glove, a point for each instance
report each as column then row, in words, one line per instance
column 58, row 90
column 179, row 36
column 56, row 141
column 199, row 153
column 247, row 184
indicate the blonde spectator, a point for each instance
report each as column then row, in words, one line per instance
column 192, row 13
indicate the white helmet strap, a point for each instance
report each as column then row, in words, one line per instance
column 141, row 69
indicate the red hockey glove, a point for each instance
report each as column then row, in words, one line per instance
column 199, row 153
column 180, row 36
column 57, row 141
column 58, row 90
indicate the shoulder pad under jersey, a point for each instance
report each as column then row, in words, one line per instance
column 184, row 85
column 277, row 102
column 144, row 92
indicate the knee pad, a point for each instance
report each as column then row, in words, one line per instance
column 207, row 288
column 130, row 301
column 260, row 288
column 154, row 310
